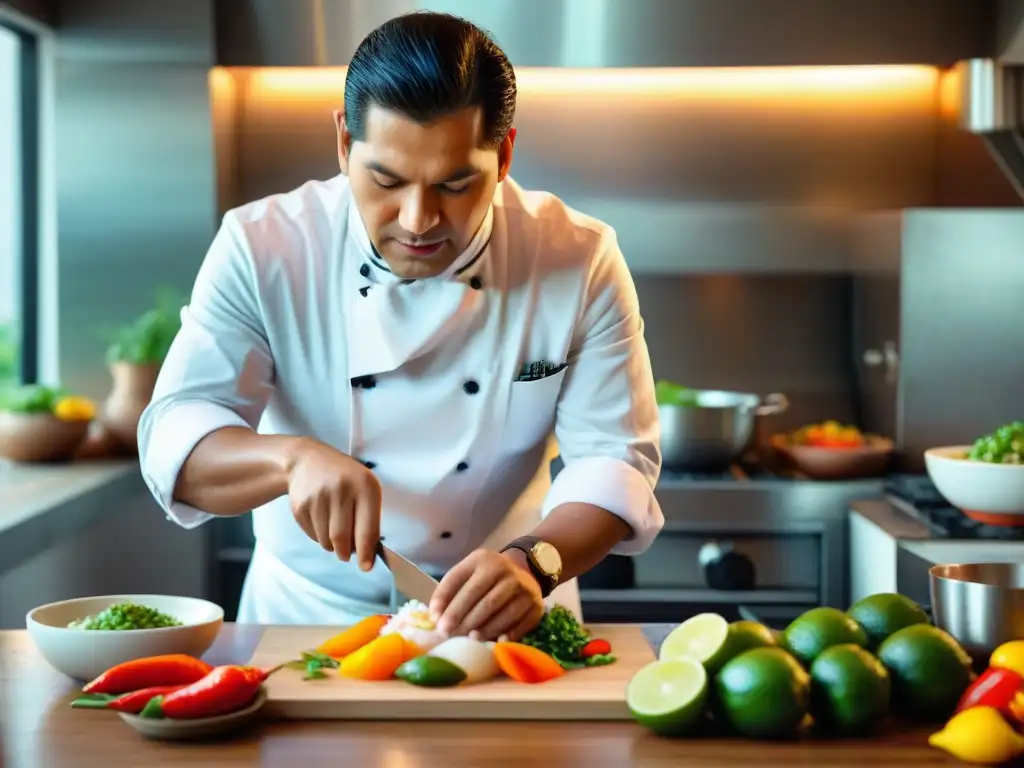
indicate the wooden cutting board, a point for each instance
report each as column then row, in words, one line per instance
column 597, row 693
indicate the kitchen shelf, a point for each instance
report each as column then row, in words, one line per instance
column 667, row 595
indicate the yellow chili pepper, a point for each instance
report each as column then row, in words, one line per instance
column 979, row 735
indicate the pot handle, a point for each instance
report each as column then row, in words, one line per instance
column 772, row 404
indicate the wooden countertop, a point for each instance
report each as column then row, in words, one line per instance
column 38, row 728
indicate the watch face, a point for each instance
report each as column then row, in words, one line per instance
column 547, row 558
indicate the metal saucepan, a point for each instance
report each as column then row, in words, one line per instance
column 712, row 433
column 979, row 604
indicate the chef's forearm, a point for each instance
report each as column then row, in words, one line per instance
column 234, row 470
column 583, row 534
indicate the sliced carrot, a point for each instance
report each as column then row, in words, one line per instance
column 526, row 664
column 378, row 659
column 353, row 638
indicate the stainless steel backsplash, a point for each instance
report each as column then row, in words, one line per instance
column 740, row 196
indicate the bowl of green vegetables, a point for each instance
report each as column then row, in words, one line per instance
column 985, row 479
column 85, row 636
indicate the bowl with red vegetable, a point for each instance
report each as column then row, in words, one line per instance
column 177, row 696
column 833, row 451
column 85, row 636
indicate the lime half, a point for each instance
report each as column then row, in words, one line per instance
column 703, row 637
column 668, row 697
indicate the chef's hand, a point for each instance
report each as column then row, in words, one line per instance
column 489, row 595
column 336, row 501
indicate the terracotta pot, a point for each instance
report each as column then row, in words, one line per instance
column 132, row 391
column 32, row 437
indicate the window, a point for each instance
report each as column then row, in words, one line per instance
column 19, row 202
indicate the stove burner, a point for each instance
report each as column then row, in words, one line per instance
column 921, row 499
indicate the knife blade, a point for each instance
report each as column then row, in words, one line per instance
column 411, row 580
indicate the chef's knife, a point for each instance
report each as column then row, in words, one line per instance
column 410, row 579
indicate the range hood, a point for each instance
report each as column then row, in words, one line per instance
column 992, row 106
column 627, row 33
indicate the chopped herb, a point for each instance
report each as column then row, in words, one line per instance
column 313, row 664
column 559, row 635
column 599, row 660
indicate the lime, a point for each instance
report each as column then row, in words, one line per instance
column 701, row 637
column 431, row 671
column 711, row 639
column 849, row 689
column 818, row 629
column 887, row 612
column 763, row 693
column 668, row 697
column 929, row 671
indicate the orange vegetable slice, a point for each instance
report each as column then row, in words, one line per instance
column 526, row 664
column 353, row 638
column 378, row 659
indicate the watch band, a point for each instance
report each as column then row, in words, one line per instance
column 525, row 544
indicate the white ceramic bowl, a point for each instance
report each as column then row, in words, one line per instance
column 989, row 493
column 84, row 654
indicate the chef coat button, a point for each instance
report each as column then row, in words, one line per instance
column 364, row 290
column 446, row 534
column 365, row 270
column 471, row 387
column 369, row 464
column 461, row 466
column 476, row 282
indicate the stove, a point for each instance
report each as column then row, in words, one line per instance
column 751, row 540
column 917, row 496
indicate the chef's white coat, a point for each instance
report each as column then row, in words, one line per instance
column 295, row 326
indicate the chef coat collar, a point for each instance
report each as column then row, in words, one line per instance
column 364, row 246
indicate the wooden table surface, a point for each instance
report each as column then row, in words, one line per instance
column 38, row 729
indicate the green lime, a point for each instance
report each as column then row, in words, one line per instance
column 882, row 614
column 849, row 689
column 929, row 671
column 700, row 637
column 431, row 671
column 711, row 639
column 668, row 697
column 763, row 693
column 818, row 629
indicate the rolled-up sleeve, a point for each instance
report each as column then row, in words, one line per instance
column 218, row 373
column 606, row 422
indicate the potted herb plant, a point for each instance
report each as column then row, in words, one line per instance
column 39, row 423
column 134, row 359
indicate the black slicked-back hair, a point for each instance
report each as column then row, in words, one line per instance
column 426, row 65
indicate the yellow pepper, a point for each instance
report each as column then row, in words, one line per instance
column 378, row 659
column 355, row 637
column 979, row 735
column 74, row 408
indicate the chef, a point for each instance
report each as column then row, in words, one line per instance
column 382, row 355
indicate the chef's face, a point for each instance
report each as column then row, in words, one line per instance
column 422, row 189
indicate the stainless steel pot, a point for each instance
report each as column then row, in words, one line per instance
column 979, row 604
column 711, row 435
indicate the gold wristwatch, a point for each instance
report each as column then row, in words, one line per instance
column 543, row 560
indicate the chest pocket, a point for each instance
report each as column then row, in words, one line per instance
column 531, row 412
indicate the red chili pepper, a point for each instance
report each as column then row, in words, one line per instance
column 134, row 702
column 171, row 669
column 995, row 688
column 224, row 690
column 596, row 648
